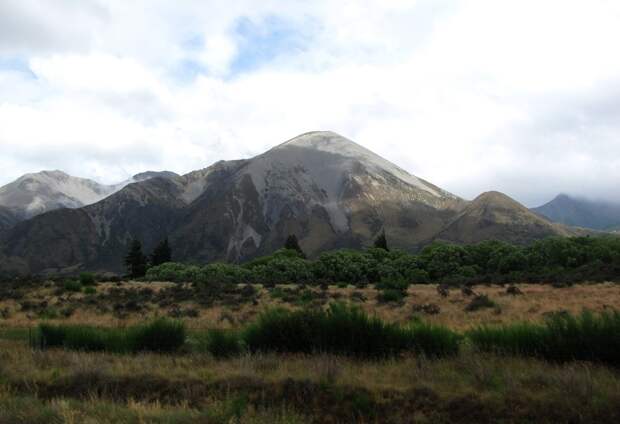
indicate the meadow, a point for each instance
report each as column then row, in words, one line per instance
column 137, row 351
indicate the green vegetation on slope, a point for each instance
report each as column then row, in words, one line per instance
column 558, row 260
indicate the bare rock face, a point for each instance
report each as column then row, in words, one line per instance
column 326, row 189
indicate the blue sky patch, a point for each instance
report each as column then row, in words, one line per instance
column 262, row 42
column 16, row 64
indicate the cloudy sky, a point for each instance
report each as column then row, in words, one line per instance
column 518, row 96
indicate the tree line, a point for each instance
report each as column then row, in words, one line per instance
column 553, row 260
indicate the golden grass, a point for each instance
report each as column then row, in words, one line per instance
column 576, row 389
column 536, row 301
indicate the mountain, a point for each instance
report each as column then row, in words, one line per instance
column 598, row 215
column 326, row 189
column 494, row 215
column 7, row 218
column 34, row 194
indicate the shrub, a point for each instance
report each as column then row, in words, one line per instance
column 341, row 330
column 562, row 337
column 161, row 335
column 391, row 295
column 481, row 301
column 282, row 267
column 87, row 279
column 433, row 340
column 90, row 290
column 344, row 265
column 223, row 343
column 72, row 285
column 395, row 283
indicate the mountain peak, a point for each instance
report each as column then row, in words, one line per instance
column 321, row 140
column 346, row 154
column 153, row 174
column 494, row 197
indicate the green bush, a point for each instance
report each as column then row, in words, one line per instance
column 562, row 337
column 480, row 302
column 282, row 267
column 433, row 340
column 344, row 266
column 391, row 295
column 223, row 343
column 90, row 290
column 222, row 274
column 161, row 335
column 72, row 285
column 87, row 279
column 343, row 330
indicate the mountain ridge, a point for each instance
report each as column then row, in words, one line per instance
column 33, row 194
column 581, row 212
column 326, row 189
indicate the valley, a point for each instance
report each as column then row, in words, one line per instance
column 192, row 385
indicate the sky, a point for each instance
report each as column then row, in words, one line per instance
column 517, row 96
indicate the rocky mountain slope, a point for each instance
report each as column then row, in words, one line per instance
column 326, row 189
column 37, row 193
column 494, row 215
column 585, row 213
column 7, row 218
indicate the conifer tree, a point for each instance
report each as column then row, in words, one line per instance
column 293, row 244
column 162, row 253
column 135, row 261
column 381, row 242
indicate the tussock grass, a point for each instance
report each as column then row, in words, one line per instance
column 344, row 330
column 562, row 337
column 161, row 335
column 223, row 343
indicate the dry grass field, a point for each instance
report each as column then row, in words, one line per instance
column 61, row 386
column 118, row 304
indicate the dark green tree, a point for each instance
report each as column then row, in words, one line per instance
column 293, row 244
column 381, row 242
column 162, row 253
column 135, row 261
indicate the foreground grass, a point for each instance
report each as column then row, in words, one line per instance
column 67, row 386
column 31, row 410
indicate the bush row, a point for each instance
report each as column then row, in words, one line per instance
column 341, row 329
column 563, row 260
column 347, row 330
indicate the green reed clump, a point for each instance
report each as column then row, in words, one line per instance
column 223, row 343
column 433, row 340
column 343, row 330
column 562, row 337
column 161, row 335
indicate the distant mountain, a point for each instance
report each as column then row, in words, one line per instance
column 34, row 194
column 494, row 215
column 326, row 189
column 585, row 213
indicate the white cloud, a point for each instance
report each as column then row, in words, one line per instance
column 518, row 96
